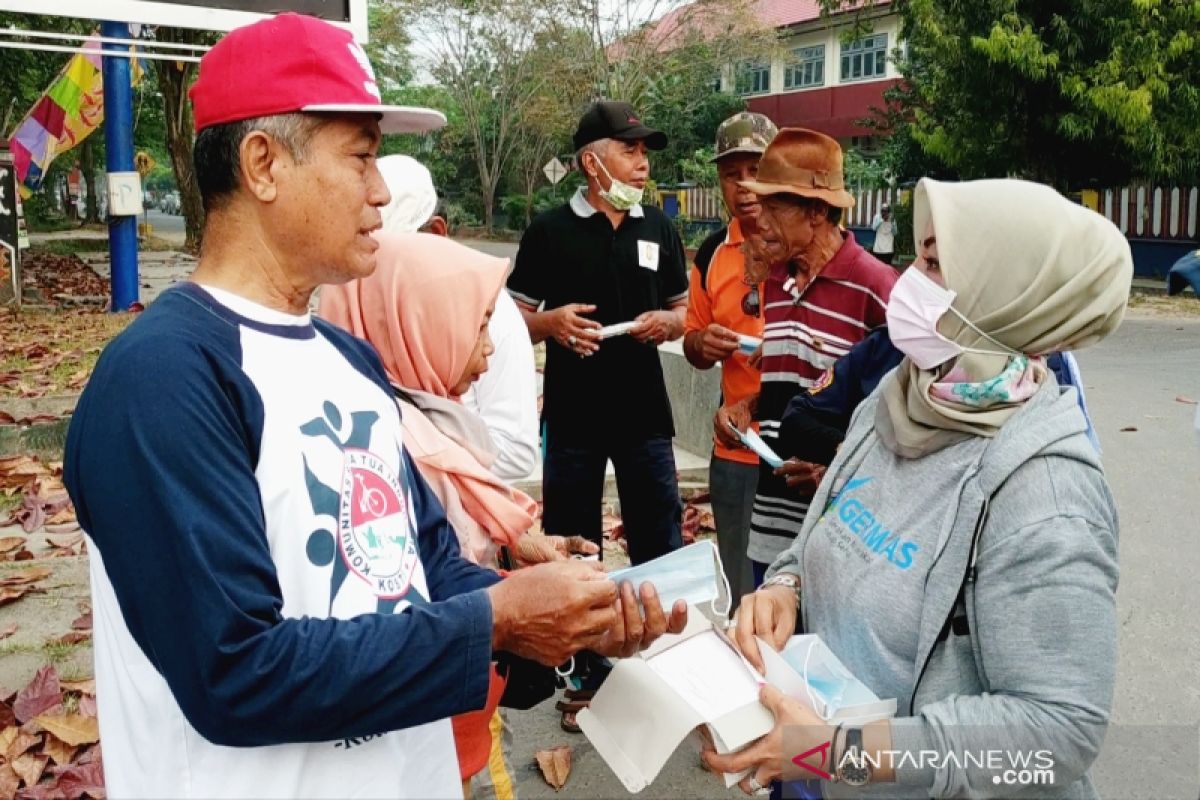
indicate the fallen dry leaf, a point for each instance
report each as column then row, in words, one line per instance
column 11, row 594
column 73, row 729
column 21, row 744
column 83, row 779
column 7, row 718
column 555, row 765
column 58, row 750
column 87, row 706
column 42, row 694
column 1187, row 401
column 65, row 540
column 7, row 736
column 10, row 543
column 1129, row 429
column 27, row 575
column 30, row 767
column 10, row 781
column 87, row 687
column 8, row 630
column 84, row 623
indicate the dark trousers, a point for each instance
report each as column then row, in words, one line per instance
column 651, row 511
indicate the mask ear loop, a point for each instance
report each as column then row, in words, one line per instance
column 1008, row 351
column 724, row 582
column 807, row 686
column 565, row 671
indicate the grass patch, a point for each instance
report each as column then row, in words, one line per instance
column 70, row 247
column 58, row 652
column 1183, row 305
column 8, row 502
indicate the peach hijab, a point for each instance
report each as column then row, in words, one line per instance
column 421, row 309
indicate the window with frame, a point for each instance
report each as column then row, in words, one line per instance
column 865, row 59
column 807, row 68
column 754, row 77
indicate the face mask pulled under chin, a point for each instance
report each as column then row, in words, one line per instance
column 693, row 574
column 914, row 309
column 619, row 195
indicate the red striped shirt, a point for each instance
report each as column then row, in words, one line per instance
column 805, row 331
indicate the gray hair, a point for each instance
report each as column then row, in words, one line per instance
column 598, row 148
column 216, row 154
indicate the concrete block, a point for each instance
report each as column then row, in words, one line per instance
column 695, row 396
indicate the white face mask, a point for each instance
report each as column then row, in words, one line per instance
column 693, row 574
column 619, row 195
column 916, row 306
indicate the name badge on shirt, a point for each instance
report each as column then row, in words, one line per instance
column 648, row 255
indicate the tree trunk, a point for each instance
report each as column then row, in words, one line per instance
column 87, row 165
column 174, row 78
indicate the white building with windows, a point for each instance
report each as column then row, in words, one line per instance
column 818, row 79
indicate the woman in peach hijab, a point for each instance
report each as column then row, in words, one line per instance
column 426, row 310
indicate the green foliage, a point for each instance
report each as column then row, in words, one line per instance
column 1071, row 92
column 863, row 172
column 699, row 168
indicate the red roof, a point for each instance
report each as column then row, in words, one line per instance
column 667, row 31
column 782, row 13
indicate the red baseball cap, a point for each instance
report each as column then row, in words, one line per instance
column 293, row 62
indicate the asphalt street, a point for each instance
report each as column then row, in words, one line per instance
column 1136, row 379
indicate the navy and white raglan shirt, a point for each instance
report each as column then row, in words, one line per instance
column 280, row 606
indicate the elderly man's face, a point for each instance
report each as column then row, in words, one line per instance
column 786, row 227
column 328, row 203
column 628, row 162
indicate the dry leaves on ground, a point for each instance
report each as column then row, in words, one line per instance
column 555, row 765
column 45, row 353
column 46, row 752
column 44, row 504
column 697, row 519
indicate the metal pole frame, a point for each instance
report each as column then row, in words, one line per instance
column 118, row 141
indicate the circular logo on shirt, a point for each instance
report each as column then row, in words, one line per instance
column 375, row 537
column 823, row 382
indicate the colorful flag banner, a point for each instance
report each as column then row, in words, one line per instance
column 63, row 117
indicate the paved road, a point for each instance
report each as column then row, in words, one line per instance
column 168, row 226
column 1132, row 381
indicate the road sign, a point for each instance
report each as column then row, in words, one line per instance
column 144, row 163
column 211, row 15
column 554, row 170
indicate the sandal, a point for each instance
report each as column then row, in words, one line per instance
column 576, row 701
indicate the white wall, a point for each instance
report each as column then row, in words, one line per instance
column 831, row 38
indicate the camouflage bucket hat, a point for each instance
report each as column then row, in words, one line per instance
column 746, row 132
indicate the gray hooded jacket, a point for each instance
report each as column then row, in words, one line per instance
column 1023, row 658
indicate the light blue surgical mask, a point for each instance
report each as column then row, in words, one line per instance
column 828, row 679
column 692, row 574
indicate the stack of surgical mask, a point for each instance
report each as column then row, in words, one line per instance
column 692, row 574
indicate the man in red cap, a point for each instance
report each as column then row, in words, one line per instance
column 281, row 609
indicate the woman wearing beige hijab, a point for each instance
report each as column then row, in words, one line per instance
column 965, row 562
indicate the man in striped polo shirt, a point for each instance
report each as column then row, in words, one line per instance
column 823, row 294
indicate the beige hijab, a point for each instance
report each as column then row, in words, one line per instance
column 1034, row 270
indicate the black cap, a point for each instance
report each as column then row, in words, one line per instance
column 615, row 120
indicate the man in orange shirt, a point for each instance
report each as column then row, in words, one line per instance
column 722, row 306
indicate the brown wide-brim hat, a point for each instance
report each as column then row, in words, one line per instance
column 803, row 163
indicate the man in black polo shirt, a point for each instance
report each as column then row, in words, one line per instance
column 601, row 260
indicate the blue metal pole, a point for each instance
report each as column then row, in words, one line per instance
column 118, row 141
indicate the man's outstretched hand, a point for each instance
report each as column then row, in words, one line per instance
column 549, row 612
column 638, row 627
